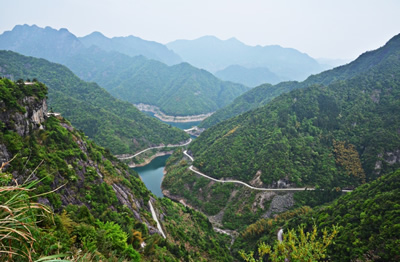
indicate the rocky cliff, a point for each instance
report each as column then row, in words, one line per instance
column 82, row 172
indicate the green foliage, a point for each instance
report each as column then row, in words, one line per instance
column 295, row 246
column 191, row 229
column 291, row 137
column 178, row 90
column 100, row 205
column 12, row 93
column 366, row 218
column 263, row 94
column 111, row 123
column 236, row 202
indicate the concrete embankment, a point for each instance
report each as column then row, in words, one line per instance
column 166, row 118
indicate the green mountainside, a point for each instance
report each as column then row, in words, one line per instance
column 248, row 76
column 368, row 223
column 110, row 122
column 177, row 90
column 132, row 46
column 101, row 207
column 181, row 89
column 333, row 135
column 263, row 94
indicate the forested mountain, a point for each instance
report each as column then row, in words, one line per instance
column 132, row 46
column 110, row 122
column 261, row 95
column 248, row 76
column 53, row 45
column 213, row 54
column 91, row 207
column 367, row 219
column 134, row 79
column 332, row 134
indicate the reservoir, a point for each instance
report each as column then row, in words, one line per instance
column 152, row 174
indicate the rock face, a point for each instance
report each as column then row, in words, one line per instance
column 391, row 158
column 279, row 204
column 83, row 171
column 22, row 123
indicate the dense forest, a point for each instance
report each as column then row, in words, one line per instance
column 261, row 95
column 110, row 122
column 368, row 223
column 101, row 207
column 336, row 135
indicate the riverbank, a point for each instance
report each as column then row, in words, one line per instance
column 151, row 158
column 166, row 118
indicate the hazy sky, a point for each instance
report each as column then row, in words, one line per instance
column 320, row 28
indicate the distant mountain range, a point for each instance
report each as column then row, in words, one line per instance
column 132, row 46
column 213, row 54
column 248, row 76
column 177, row 90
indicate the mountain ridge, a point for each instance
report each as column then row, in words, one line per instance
column 133, row 79
column 262, row 95
column 213, row 54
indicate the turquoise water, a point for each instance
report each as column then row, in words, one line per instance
column 152, row 174
column 185, row 125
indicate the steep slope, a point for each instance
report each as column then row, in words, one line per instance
column 326, row 135
column 132, row 46
column 262, row 95
column 367, row 219
column 102, row 208
column 248, row 76
column 213, row 54
column 112, row 123
column 133, row 79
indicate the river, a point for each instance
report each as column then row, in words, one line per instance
column 153, row 173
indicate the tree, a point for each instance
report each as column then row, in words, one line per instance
column 299, row 246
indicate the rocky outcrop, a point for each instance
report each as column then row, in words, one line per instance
column 279, row 204
column 22, row 123
column 4, row 155
column 390, row 158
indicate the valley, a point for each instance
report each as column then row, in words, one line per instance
column 195, row 150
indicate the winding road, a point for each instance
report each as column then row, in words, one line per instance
column 293, row 189
column 147, row 149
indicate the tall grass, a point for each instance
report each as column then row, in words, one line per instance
column 18, row 217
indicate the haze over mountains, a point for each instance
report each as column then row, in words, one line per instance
column 300, row 145
column 132, row 46
column 133, row 79
column 263, row 94
column 213, row 54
